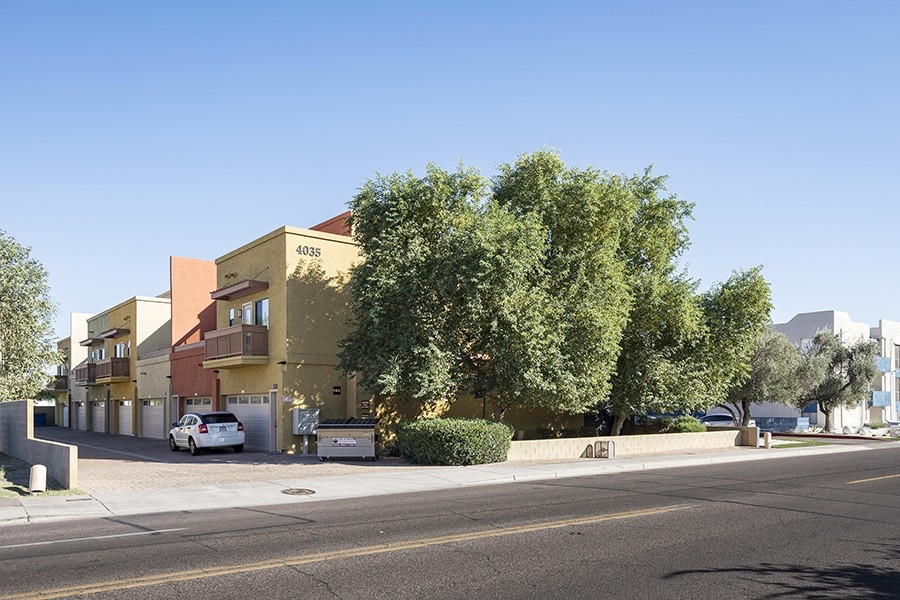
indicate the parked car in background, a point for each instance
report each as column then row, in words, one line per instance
column 722, row 420
column 197, row 431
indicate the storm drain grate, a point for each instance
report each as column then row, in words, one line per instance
column 297, row 492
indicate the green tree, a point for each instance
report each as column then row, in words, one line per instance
column 26, row 312
column 657, row 368
column 845, row 373
column 736, row 313
column 778, row 373
column 681, row 351
column 587, row 216
column 517, row 295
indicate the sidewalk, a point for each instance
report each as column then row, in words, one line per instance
column 371, row 480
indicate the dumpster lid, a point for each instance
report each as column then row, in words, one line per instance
column 351, row 423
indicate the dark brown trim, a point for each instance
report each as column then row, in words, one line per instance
column 239, row 289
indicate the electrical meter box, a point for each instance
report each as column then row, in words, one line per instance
column 306, row 421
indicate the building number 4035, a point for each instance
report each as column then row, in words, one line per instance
column 309, row 251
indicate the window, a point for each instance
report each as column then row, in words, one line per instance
column 122, row 349
column 262, row 312
column 230, row 317
column 247, row 313
column 896, row 356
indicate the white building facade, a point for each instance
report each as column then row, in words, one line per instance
column 883, row 403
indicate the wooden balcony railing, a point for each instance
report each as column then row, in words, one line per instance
column 86, row 373
column 114, row 368
column 239, row 340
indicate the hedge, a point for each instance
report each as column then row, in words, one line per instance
column 454, row 441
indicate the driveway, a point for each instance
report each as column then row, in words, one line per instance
column 121, row 463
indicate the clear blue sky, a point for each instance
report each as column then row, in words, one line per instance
column 132, row 131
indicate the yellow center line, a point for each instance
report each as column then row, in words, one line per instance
column 874, row 479
column 106, row 586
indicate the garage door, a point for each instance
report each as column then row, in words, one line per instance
column 66, row 416
column 99, row 415
column 255, row 412
column 125, row 412
column 153, row 419
column 81, row 417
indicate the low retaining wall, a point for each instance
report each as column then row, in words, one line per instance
column 633, row 445
column 17, row 440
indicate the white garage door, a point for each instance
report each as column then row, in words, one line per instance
column 66, row 415
column 125, row 411
column 81, row 417
column 99, row 415
column 255, row 412
column 153, row 419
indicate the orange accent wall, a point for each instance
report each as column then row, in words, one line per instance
column 193, row 314
column 193, row 311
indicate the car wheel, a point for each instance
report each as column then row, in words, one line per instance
column 193, row 447
column 238, row 448
column 172, row 445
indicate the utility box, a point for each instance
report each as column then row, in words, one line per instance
column 605, row 449
column 347, row 438
column 305, row 423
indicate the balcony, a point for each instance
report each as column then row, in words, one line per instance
column 880, row 399
column 238, row 346
column 60, row 383
column 113, row 370
column 86, row 374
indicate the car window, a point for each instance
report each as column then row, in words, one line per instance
column 220, row 418
column 185, row 420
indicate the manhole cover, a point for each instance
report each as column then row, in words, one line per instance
column 297, row 492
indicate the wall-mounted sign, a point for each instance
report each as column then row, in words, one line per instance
column 364, row 405
column 309, row 251
column 336, row 390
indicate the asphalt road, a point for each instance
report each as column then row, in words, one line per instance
column 810, row 527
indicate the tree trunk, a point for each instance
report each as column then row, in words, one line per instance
column 827, row 412
column 745, row 413
column 618, row 421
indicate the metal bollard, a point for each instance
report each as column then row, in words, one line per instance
column 37, row 480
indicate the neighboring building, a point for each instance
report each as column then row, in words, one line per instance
column 115, row 338
column 884, row 401
column 131, row 357
column 68, row 394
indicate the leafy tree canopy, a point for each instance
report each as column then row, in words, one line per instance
column 549, row 286
column 26, row 312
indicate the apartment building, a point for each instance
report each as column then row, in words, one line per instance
column 883, row 404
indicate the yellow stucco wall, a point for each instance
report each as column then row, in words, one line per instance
column 307, row 273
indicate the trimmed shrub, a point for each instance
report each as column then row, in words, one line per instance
column 454, row 441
